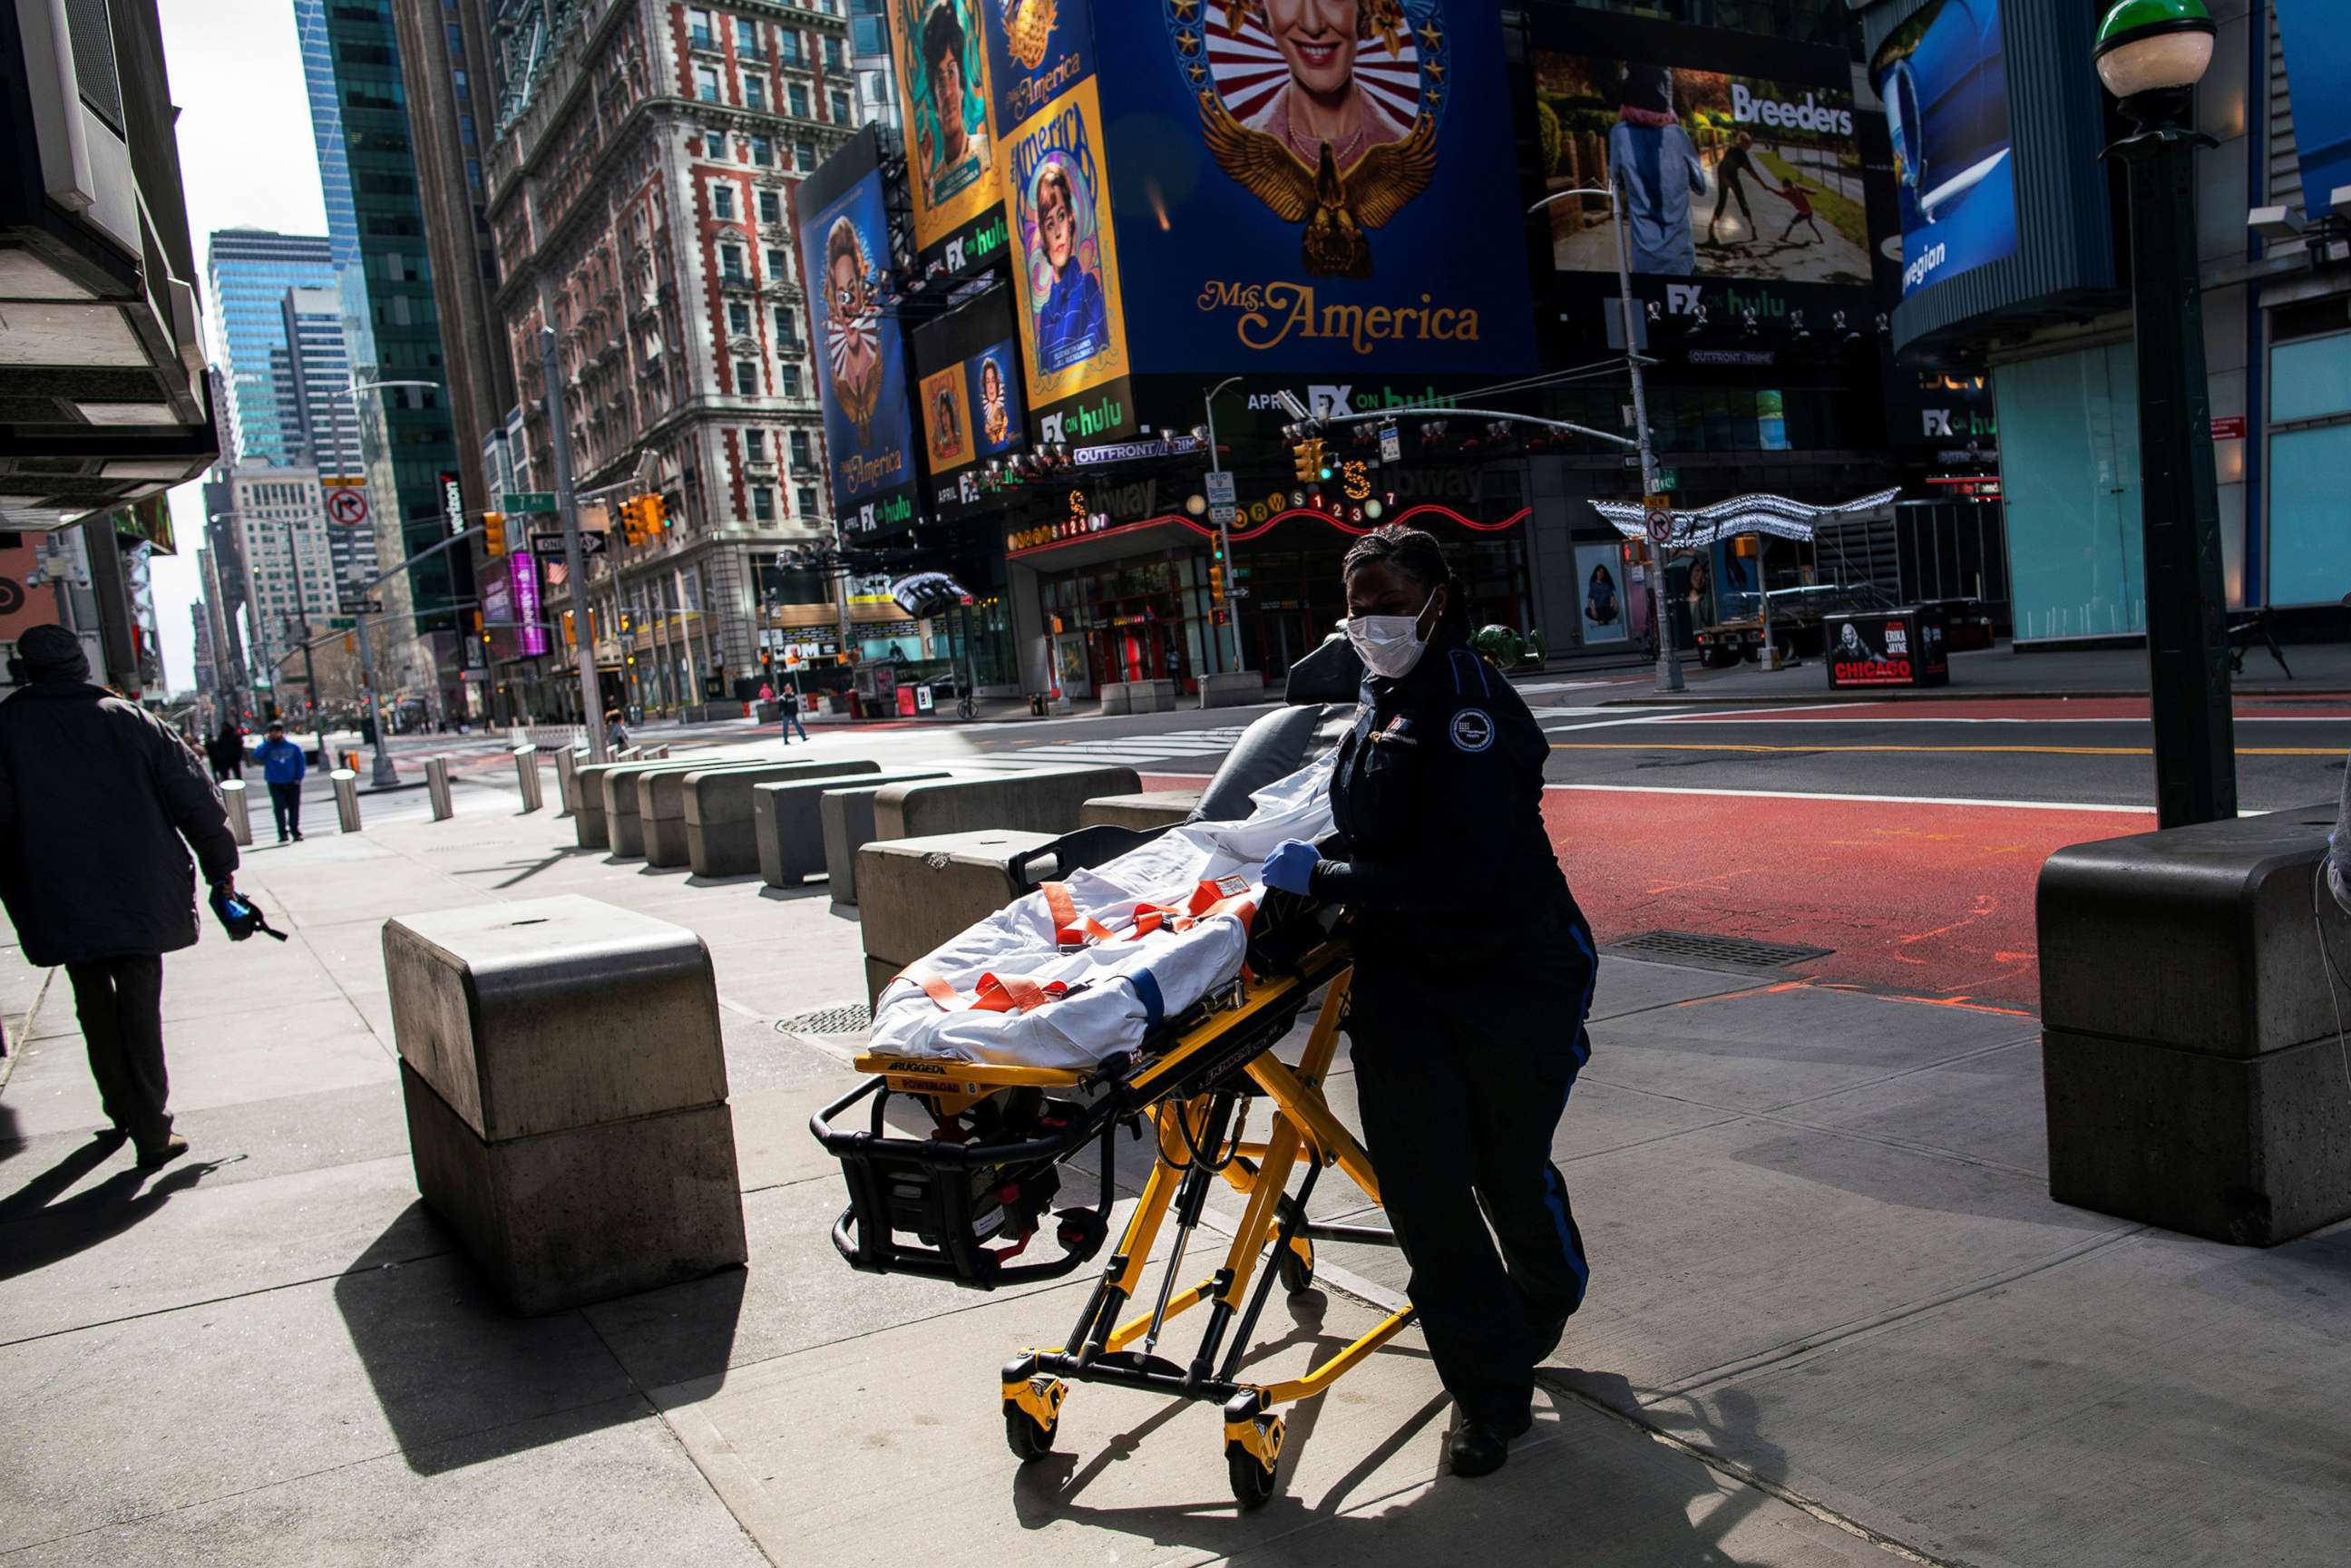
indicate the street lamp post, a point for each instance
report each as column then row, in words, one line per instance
column 1224, row 532
column 1669, row 657
column 381, row 774
column 2150, row 55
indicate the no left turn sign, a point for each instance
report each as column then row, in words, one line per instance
column 347, row 507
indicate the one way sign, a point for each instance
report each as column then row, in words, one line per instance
column 590, row 543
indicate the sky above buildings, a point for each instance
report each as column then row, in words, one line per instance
column 246, row 158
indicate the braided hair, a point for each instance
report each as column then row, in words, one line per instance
column 1416, row 553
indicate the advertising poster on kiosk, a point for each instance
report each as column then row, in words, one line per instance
column 861, row 367
column 1943, row 77
column 1723, row 174
column 1073, row 323
column 1313, row 185
column 1602, row 591
column 943, row 91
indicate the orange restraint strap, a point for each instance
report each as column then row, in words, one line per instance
column 1017, row 993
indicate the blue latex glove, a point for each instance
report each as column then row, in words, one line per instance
column 1291, row 865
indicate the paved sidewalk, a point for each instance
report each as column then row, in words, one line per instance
column 2320, row 669
column 1835, row 1319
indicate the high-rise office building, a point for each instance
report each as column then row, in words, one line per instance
column 327, row 130
column 249, row 271
column 281, row 532
column 393, row 330
column 326, row 433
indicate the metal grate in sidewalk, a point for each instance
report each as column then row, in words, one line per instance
column 1718, row 952
column 849, row 1018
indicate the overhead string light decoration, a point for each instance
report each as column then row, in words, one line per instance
column 1774, row 514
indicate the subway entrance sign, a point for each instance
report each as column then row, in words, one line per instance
column 528, row 500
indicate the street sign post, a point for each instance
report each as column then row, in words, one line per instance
column 529, row 501
column 1223, row 514
column 347, row 507
column 1661, row 524
column 1221, row 492
column 590, row 543
column 1391, row 445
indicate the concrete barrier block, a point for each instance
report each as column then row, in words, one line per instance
column 1117, row 698
column 1044, row 801
column 786, row 830
column 664, row 820
column 588, row 825
column 566, row 1090
column 569, row 1218
column 846, row 817
column 1153, row 809
column 624, row 801
column 717, row 805
column 914, row 894
column 2189, row 1049
column 878, row 976
column 1236, row 689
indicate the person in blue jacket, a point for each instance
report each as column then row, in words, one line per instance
column 282, row 764
column 1474, row 972
column 1657, row 170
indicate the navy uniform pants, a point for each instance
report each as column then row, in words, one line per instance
column 1461, row 1087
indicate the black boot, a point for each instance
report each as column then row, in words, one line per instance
column 1482, row 1448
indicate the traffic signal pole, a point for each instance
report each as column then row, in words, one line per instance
column 575, row 560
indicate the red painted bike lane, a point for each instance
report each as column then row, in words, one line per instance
column 1931, row 900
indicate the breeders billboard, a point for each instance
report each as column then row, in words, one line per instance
column 1723, row 174
column 844, row 255
column 1943, row 75
column 1316, row 186
column 950, row 130
column 1072, row 324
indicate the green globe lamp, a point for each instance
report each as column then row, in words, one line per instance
column 2153, row 47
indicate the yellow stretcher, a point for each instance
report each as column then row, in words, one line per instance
column 972, row 1196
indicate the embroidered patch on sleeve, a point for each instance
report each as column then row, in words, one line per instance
column 1473, row 729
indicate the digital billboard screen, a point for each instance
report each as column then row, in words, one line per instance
column 970, row 361
column 845, row 256
column 943, row 90
column 1944, row 79
column 1722, row 174
column 1314, row 185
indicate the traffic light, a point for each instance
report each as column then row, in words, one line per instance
column 494, row 533
column 1322, row 469
column 656, row 515
column 1306, row 458
column 632, row 522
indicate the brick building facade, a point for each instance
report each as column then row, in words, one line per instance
column 641, row 204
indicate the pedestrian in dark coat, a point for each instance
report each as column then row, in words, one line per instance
column 225, row 752
column 99, row 805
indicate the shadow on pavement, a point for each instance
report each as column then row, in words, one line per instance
column 40, row 1232
column 447, row 1360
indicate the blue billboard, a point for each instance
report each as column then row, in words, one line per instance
column 845, row 256
column 1313, row 185
column 1037, row 50
column 2318, row 73
column 1943, row 75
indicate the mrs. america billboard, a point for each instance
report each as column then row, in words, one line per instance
column 1315, row 185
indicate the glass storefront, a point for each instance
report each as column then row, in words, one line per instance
column 1147, row 617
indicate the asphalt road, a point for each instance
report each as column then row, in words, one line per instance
column 1902, row 840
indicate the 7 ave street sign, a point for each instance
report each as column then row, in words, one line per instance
column 528, row 500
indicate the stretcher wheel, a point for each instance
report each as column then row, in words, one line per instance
column 1028, row 1441
column 1296, row 1266
column 1252, row 1463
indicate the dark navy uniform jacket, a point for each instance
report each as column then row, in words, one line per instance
column 1437, row 797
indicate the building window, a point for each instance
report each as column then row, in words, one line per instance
column 800, row 458
column 788, row 49
column 763, row 153
column 738, row 318
column 779, row 266
column 792, row 380
column 747, row 38
column 705, row 83
column 805, row 500
column 763, row 504
column 840, row 107
column 746, row 378
column 787, row 330
column 697, row 27
column 804, row 157
column 800, row 101
column 755, row 92
column 832, row 54
column 771, row 207
column 755, row 446
column 722, row 201
column 730, row 263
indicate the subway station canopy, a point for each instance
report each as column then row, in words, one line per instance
column 1744, row 515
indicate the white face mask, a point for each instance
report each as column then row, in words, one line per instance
column 1389, row 646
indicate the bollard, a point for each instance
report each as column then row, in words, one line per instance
column 347, row 799
column 567, row 782
column 437, row 785
column 526, row 777
column 240, row 811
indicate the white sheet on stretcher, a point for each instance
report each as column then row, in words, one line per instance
column 1110, row 1014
